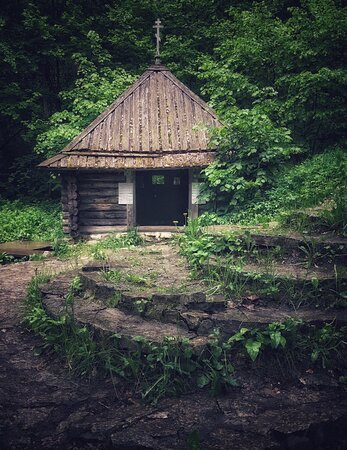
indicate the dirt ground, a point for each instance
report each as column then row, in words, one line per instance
column 43, row 407
column 158, row 265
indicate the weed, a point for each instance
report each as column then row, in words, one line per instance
column 98, row 254
column 113, row 276
column 141, row 305
column 150, row 252
column 336, row 219
column 114, row 301
column 309, row 249
column 138, row 280
column 324, row 344
column 36, row 257
column 193, row 441
column 62, row 334
column 114, row 242
column 6, row 259
column 219, row 372
column 226, row 278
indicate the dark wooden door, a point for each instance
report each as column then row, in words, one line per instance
column 161, row 197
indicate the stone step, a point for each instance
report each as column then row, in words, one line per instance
column 151, row 302
column 325, row 244
column 297, row 272
column 112, row 321
column 285, row 282
column 234, row 318
column 194, row 325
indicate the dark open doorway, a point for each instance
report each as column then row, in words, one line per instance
column 161, row 197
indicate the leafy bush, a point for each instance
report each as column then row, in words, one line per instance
column 250, row 147
column 197, row 247
column 34, row 221
column 319, row 178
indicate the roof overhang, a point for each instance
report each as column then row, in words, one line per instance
column 123, row 161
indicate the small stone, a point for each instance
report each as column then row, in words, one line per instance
column 159, row 415
column 167, row 299
column 194, row 297
column 192, row 319
column 208, row 307
column 205, row 327
column 171, row 315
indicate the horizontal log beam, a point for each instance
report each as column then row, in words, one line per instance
column 107, row 179
column 95, row 200
column 101, row 207
column 101, row 214
column 98, row 192
column 102, row 222
column 102, row 229
column 85, row 185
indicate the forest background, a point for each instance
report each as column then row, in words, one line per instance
column 274, row 71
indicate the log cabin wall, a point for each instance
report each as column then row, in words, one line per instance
column 95, row 201
column 69, row 200
column 99, row 210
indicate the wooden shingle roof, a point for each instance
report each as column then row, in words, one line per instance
column 158, row 122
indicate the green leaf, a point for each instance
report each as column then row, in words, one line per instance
column 253, row 348
column 203, row 381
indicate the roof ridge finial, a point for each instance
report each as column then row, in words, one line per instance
column 157, row 26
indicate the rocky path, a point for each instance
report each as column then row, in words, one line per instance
column 43, row 407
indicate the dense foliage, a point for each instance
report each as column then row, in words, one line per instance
column 294, row 186
column 35, row 221
column 274, row 71
column 277, row 78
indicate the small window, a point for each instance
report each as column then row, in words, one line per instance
column 158, row 179
column 177, row 181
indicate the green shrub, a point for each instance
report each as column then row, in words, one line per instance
column 304, row 185
column 34, row 221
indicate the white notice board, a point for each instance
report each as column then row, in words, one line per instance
column 195, row 194
column 125, row 193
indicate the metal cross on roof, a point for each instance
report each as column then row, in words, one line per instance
column 158, row 25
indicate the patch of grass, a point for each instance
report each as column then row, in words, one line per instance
column 236, row 282
column 220, row 261
column 150, row 252
column 114, row 301
column 37, row 257
column 63, row 248
column 173, row 289
column 138, row 280
column 63, row 335
column 113, row 276
column 114, row 242
column 225, row 280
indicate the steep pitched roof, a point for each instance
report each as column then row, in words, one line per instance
column 157, row 118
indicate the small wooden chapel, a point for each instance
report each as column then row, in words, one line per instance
column 137, row 163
